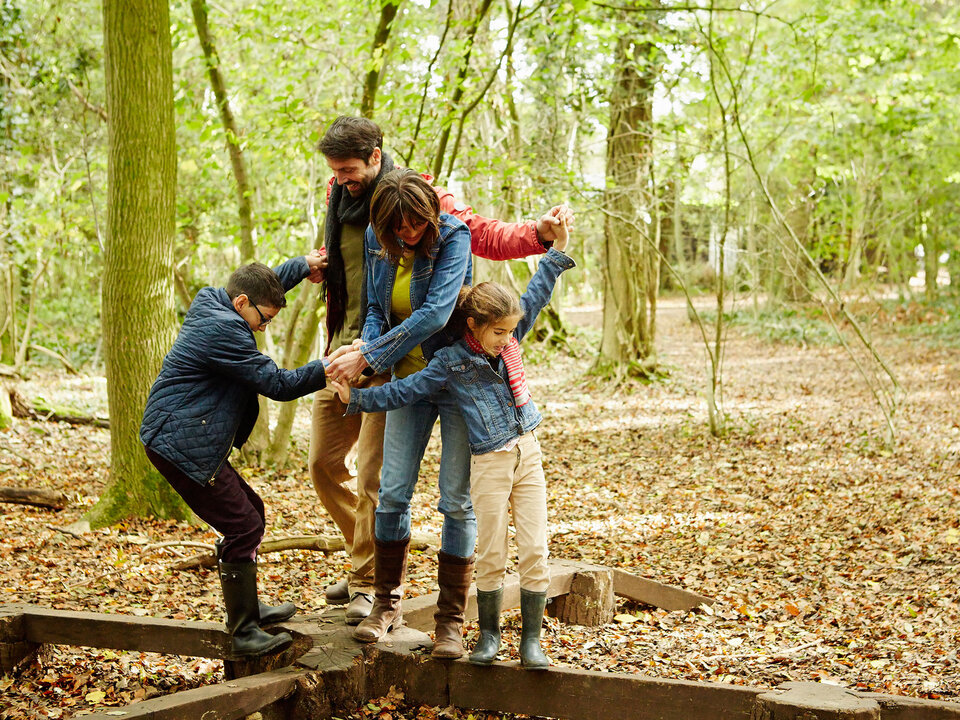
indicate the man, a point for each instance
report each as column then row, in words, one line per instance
column 353, row 148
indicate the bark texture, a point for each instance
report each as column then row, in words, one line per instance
column 138, row 318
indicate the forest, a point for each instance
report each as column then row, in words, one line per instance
column 748, row 382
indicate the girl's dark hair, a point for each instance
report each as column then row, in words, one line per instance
column 259, row 283
column 404, row 195
column 486, row 302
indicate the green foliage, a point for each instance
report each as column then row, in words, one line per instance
column 789, row 325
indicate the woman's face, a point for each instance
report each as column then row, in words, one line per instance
column 410, row 234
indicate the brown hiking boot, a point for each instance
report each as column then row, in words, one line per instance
column 390, row 566
column 454, row 576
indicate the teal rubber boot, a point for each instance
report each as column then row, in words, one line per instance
column 488, row 617
column 532, row 605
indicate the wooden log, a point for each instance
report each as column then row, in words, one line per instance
column 237, row 668
column 231, row 700
column 666, row 597
column 814, row 701
column 124, row 632
column 320, row 543
column 563, row 693
column 38, row 497
column 15, row 649
column 590, row 600
column 900, row 707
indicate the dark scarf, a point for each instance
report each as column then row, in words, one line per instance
column 343, row 208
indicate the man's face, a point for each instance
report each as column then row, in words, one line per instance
column 355, row 174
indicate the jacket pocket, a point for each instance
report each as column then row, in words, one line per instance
column 465, row 373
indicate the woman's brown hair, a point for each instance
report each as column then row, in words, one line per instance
column 404, row 195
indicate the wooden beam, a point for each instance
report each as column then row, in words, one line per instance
column 900, row 707
column 125, row 632
column 564, row 693
column 230, row 700
column 666, row 597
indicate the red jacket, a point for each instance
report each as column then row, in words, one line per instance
column 490, row 239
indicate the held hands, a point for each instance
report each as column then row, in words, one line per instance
column 343, row 390
column 548, row 226
column 317, row 262
column 563, row 235
column 345, row 364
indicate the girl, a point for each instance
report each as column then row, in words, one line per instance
column 483, row 372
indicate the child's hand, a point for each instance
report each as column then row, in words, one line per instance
column 317, row 262
column 548, row 226
column 343, row 390
column 562, row 232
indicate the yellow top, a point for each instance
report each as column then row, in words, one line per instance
column 400, row 310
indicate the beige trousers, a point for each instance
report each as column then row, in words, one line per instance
column 511, row 480
column 341, row 448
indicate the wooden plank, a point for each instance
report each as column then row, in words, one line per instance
column 588, row 695
column 667, row 597
column 418, row 611
column 899, row 707
column 227, row 701
column 125, row 632
column 564, row 693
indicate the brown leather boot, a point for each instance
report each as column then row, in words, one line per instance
column 389, row 570
column 454, row 576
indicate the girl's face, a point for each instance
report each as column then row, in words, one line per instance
column 495, row 335
column 411, row 233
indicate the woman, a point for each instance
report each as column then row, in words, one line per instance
column 419, row 260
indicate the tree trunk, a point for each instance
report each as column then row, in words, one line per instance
column 388, row 12
column 458, row 88
column 631, row 266
column 137, row 304
column 931, row 263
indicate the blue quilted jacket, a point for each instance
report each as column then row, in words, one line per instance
column 205, row 399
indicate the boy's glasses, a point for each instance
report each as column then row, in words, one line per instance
column 264, row 321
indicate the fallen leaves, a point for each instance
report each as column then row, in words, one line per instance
column 830, row 557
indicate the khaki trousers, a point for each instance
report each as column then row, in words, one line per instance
column 341, row 448
column 511, row 480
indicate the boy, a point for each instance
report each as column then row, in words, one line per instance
column 203, row 403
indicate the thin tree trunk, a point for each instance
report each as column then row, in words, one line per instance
column 388, row 12
column 237, row 162
column 137, row 305
column 458, row 88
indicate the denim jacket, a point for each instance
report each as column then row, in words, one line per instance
column 435, row 284
column 483, row 393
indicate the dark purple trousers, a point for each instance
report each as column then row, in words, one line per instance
column 227, row 504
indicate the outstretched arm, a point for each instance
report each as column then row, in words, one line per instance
column 540, row 288
column 396, row 393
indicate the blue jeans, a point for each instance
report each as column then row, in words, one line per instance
column 404, row 440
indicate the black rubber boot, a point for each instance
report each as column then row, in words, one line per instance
column 269, row 614
column 488, row 617
column 532, row 605
column 238, row 582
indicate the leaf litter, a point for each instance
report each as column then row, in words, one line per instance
column 830, row 557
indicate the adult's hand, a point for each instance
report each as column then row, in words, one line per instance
column 548, row 226
column 347, row 366
column 317, row 262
